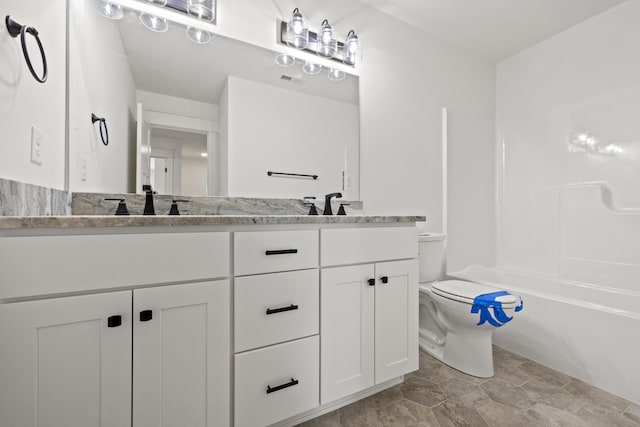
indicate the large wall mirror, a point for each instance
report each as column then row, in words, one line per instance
column 201, row 119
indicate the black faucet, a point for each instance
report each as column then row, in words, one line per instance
column 148, row 203
column 327, row 202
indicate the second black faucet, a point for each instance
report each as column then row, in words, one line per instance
column 327, row 202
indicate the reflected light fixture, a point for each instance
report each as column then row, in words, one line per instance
column 336, row 75
column 202, row 9
column 203, row 154
column 311, row 68
column 198, row 35
column 108, row 9
column 285, row 60
column 327, row 44
column 297, row 34
column 351, row 48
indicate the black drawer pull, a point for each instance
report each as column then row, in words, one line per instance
column 384, row 279
column 281, row 309
column 372, row 282
column 282, row 252
column 146, row 315
column 282, row 386
column 114, row 321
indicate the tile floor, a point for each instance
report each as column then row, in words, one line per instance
column 522, row 393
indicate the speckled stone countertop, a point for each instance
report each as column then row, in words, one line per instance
column 81, row 221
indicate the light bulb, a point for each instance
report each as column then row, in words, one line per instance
column 199, row 36
column 297, row 34
column 108, row 10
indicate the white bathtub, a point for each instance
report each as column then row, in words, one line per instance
column 586, row 331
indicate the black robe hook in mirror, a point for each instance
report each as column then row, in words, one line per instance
column 104, row 132
column 16, row 30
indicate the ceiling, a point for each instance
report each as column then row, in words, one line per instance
column 192, row 144
column 492, row 29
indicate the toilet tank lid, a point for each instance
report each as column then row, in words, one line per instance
column 431, row 237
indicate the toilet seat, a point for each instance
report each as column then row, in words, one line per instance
column 466, row 292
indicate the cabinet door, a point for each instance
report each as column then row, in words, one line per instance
column 182, row 355
column 65, row 363
column 396, row 319
column 346, row 330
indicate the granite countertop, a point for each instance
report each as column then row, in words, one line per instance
column 88, row 221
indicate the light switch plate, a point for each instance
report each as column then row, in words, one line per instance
column 37, row 139
column 83, row 169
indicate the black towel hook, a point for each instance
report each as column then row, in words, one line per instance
column 104, row 132
column 16, row 30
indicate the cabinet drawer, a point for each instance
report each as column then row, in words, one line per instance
column 359, row 245
column 72, row 263
column 273, row 308
column 276, row 382
column 270, row 251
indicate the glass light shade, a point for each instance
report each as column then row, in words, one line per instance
column 311, row 68
column 202, row 9
column 327, row 44
column 297, row 34
column 108, row 10
column 351, row 48
column 158, row 2
column 154, row 23
column 336, row 75
column 285, row 60
column 199, row 36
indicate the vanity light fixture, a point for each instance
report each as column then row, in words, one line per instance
column 108, row 9
column 202, row 9
column 285, row 60
column 311, row 68
column 203, row 154
column 327, row 44
column 297, row 33
column 351, row 48
column 154, row 23
column 336, row 75
column 198, row 35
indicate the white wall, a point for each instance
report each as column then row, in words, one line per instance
column 100, row 82
column 286, row 135
column 178, row 106
column 25, row 102
column 585, row 80
column 223, row 141
column 194, row 177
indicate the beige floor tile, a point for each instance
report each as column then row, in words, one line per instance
column 422, row 392
column 595, row 416
column 332, row 419
column 507, row 394
column 498, row 415
column 405, row 413
column 552, row 395
column 462, row 391
column 542, row 373
column 596, row 397
column 451, row 413
column 548, row 416
column 633, row 413
column 510, row 373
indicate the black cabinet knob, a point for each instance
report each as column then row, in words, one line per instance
column 146, row 315
column 372, row 282
column 114, row 321
column 384, row 279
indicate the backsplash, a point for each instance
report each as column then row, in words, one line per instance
column 20, row 199
column 95, row 204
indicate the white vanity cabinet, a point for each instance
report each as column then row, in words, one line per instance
column 369, row 312
column 74, row 361
column 276, row 325
column 66, row 361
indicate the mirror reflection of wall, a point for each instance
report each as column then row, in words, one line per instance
column 254, row 116
column 178, row 162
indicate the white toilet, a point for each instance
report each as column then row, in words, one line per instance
column 457, row 318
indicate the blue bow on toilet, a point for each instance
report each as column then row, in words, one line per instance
column 483, row 302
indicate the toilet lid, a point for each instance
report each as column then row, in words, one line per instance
column 466, row 292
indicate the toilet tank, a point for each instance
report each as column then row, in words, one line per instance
column 430, row 256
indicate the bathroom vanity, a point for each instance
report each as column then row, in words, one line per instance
column 202, row 320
